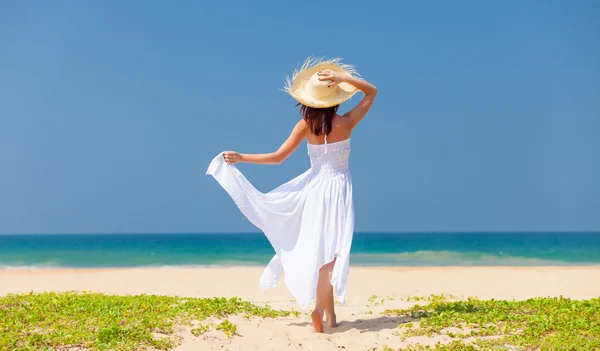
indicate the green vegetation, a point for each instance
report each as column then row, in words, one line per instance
column 227, row 328
column 93, row 321
column 375, row 300
column 201, row 329
column 534, row 324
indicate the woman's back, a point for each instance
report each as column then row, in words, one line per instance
column 341, row 130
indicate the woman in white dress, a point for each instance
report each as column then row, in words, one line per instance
column 309, row 220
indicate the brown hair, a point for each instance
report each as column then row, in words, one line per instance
column 316, row 118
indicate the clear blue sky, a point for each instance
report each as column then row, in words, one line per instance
column 488, row 116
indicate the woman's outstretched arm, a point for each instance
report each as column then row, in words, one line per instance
column 360, row 111
column 277, row 157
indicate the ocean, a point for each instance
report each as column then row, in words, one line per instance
column 368, row 249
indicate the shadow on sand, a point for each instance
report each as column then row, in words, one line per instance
column 364, row 325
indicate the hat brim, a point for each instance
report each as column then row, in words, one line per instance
column 296, row 86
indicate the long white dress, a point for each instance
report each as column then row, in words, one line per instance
column 309, row 220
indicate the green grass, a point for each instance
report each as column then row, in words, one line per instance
column 534, row 324
column 51, row 321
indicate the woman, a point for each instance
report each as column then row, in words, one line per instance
column 309, row 220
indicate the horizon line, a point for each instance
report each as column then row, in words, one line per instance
column 356, row 232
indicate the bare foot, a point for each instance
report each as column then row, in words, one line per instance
column 317, row 321
column 331, row 320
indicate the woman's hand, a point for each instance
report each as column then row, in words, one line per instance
column 232, row 157
column 334, row 77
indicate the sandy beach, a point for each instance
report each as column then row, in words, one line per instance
column 362, row 326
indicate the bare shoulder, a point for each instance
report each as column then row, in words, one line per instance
column 301, row 127
column 345, row 120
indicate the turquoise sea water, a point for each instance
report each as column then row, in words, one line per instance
column 368, row 249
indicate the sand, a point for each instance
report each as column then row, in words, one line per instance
column 362, row 326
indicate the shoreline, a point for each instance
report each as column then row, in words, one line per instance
column 575, row 265
column 260, row 266
column 7, row 271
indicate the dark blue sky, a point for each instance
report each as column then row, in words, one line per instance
column 488, row 116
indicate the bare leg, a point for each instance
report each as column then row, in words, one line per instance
column 317, row 321
column 317, row 313
column 324, row 300
column 329, row 305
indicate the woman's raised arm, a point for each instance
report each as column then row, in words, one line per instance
column 360, row 111
column 277, row 157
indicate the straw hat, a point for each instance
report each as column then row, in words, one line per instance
column 306, row 88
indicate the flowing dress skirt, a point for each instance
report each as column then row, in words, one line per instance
column 309, row 222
